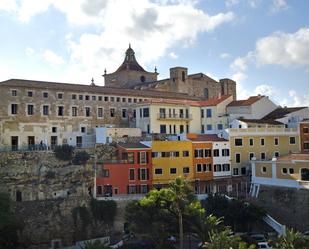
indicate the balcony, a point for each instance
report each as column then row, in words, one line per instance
column 163, row 116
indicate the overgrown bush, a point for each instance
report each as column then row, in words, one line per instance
column 64, row 152
column 104, row 210
column 81, row 157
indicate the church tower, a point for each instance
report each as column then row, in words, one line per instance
column 129, row 74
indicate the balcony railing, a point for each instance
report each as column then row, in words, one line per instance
column 165, row 116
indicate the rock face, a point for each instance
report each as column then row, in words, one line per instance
column 46, row 191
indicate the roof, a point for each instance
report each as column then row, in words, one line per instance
column 94, row 89
column 206, row 137
column 214, row 101
column 130, row 62
column 260, row 121
column 296, row 156
column 281, row 112
column 133, row 146
column 246, row 102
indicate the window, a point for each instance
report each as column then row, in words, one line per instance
column 60, row 111
column 87, row 111
column 263, row 156
column 208, row 113
column 306, row 130
column 262, row 141
column 30, row 109
column 30, row 94
column 83, row 129
column 112, row 99
column 207, row 152
column 292, row 140
column 73, row 96
column 124, row 113
column 131, row 174
column 129, row 100
column 284, row 171
column 209, row 127
column 74, row 111
column 208, row 167
column 198, row 153
column 131, row 189
column 142, row 157
column 146, row 112
column 185, row 153
column 181, row 129
column 94, row 98
column 143, row 174
column 87, row 97
column 199, row 167
column 220, row 126
column 291, row 171
column 225, row 152
column 165, row 154
column 162, row 129
column 45, row 95
column 45, row 110
column 264, row 170
column 206, row 94
column 80, row 97
column 14, row 93
column 112, row 112
column 106, row 99
column 174, row 153
column 124, row 100
column 226, row 167
column 276, row 141
column 100, row 112
column 203, row 129
column 306, row 145
column 217, row 167
column 186, row 170
column 100, row 98
column 238, row 141
column 216, row 153
column 202, row 113
column 235, row 172
column 251, row 155
column 158, row 171
column 54, row 129
column 277, row 154
column 237, row 158
column 251, row 141
column 173, row 170
column 118, row 99
column 105, row 173
column 60, row 95
column 14, row 109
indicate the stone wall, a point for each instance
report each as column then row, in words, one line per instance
column 288, row 206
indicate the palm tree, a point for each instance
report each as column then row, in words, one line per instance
column 292, row 240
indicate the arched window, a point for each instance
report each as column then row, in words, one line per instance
column 304, row 174
column 183, row 75
column 206, row 94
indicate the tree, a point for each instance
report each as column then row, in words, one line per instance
column 81, row 157
column 64, row 152
column 9, row 224
column 292, row 240
column 97, row 244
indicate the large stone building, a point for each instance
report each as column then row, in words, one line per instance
column 36, row 113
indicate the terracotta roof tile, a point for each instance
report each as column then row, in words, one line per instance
column 207, row 137
column 246, row 102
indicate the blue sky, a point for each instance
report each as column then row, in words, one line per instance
column 262, row 44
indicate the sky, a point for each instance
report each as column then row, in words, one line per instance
column 261, row 44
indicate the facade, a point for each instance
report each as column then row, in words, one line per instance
column 262, row 143
column 304, row 136
column 286, row 171
column 131, row 173
column 171, row 159
column 168, row 117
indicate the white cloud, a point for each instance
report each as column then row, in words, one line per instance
column 225, row 55
column 240, row 78
column 29, row 51
column 8, row 5
column 278, row 5
column 173, row 55
column 265, row 89
column 239, row 64
column 230, row 3
column 254, row 3
column 298, row 99
column 52, row 58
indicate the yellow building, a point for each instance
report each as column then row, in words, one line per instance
column 285, row 171
column 262, row 143
column 171, row 159
column 168, row 117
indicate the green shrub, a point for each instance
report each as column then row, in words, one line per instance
column 104, row 210
column 81, row 157
column 64, row 152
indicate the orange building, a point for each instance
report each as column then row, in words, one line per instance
column 131, row 173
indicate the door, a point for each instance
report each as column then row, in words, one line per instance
column 53, row 141
column 14, row 143
column 79, row 142
column 31, row 143
column 108, row 190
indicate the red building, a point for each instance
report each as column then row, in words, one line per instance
column 131, row 173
